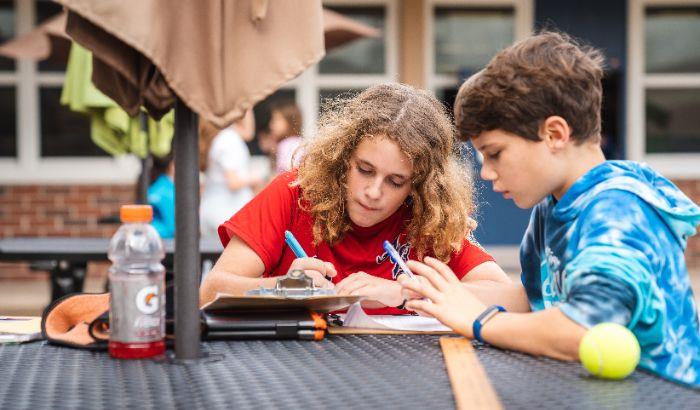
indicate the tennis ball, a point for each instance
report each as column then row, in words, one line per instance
column 609, row 351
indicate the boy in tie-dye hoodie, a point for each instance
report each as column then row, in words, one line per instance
column 606, row 239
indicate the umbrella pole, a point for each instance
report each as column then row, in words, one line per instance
column 144, row 179
column 185, row 143
column 146, row 165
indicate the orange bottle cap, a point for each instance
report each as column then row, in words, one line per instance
column 136, row 213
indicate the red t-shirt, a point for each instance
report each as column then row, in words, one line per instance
column 262, row 222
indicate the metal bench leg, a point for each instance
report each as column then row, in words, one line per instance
column 67, row 278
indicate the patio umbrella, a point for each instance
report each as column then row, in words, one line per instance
column 216, row 58
column 111, row 128
column 339, row 30
column 49, row 39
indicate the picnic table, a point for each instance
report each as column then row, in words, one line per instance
column 342, row 371
column 68, row 257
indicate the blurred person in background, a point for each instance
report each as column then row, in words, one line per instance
column 285, row 131
column 228, row 181
column 161, row 195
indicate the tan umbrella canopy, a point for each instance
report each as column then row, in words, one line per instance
column 216, row 58
column 219, row 57
column 122, row 83
column 50, row 38
column 339, row 30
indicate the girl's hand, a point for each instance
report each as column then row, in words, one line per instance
column 384, row 291
column 317, row 270
column 450, row 302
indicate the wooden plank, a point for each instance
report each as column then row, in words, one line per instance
column 470, row 384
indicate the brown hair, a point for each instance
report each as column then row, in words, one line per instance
column 292, row 115
column 541, row 76
column 441, row 196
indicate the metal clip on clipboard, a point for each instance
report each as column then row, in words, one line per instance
column 295, row 284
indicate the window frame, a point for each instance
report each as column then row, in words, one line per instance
column 672, row 165
column 524, row 18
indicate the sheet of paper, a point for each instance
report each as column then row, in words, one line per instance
column 356, row 317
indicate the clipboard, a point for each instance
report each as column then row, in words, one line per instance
column 294, row 291
column 267, row 324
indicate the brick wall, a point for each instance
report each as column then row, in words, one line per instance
column 692, row 253
column 58, row 210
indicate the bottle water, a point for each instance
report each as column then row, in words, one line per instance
column 137, row 280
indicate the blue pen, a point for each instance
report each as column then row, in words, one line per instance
column 297, row 249
column 294, row 245
column 397, row 259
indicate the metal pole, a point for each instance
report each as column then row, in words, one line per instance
column 146, row 162
column 186, row 256
column 144, row 178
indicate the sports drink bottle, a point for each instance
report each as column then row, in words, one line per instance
column 137, row 287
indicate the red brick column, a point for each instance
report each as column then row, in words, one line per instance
column 691, row 187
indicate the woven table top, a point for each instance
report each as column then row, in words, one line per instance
column 342, row 371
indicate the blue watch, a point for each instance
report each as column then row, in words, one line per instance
column 484, row 317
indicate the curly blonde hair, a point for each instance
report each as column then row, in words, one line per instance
column 440, row 200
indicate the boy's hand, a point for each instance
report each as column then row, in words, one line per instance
column 450, row 302
column 409, row 294
column 386, row 292
column 317, row 270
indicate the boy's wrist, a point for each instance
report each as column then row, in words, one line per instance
column 483, row 318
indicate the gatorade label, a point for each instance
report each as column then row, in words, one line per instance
column 137, row 311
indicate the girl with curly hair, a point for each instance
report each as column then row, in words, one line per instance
column 383, row 166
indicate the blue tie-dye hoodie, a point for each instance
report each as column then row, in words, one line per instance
column 611, row 250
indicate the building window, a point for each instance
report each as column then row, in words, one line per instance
column 466, row 38
column 8, row 30
column 64, row 133
column 464, row 35
column 664, row 86
column 347, row 69
column 8, row 93
column 671, row 40
column 8, row 126
column 671, row 48
column 672, row 120
column 351, row 68
column 363, row 56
